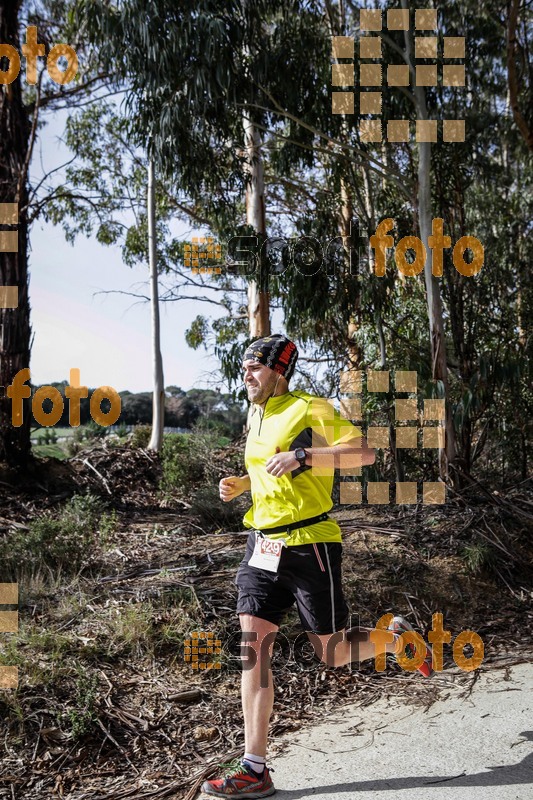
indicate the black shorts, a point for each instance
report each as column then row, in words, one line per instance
column 307, row 573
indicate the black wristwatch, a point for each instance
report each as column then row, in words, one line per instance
column 300, row 455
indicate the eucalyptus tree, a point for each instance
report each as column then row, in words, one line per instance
column 24, row 101
column 185, row 88
column 315, row 164
column 402, row 181
column 158, row 403
column 519, row 69
column 15, row 128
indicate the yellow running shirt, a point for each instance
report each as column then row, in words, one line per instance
column 292, row 420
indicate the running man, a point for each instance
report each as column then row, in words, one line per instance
column 291, row 433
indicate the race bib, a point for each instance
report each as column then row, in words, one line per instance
column 267, row 553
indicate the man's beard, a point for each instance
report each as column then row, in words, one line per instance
column 263, row 392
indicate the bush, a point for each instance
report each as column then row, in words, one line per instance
column 141, row 436
column 83, row 714
column 64, row 540
column 78, row 434
column 73, row 447
column 189, row 468
column 49, row 437
column 478, row 557
column 122, row 430
column 182, row 462
column 94, row 431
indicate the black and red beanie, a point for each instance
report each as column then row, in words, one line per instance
column 276, row 351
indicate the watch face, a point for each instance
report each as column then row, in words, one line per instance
column 300, row 454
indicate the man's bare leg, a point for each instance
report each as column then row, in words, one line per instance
column 343, row 649
column 257, row 686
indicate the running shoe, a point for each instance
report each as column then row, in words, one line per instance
column 400, row 625
column 240, row 781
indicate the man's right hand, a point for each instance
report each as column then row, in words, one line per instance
column 232, row 487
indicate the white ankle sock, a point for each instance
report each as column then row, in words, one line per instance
column 257, row 763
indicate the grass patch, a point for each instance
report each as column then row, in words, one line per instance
column 477, row 557
column 49, row 451
column 83, row 713
column 64, row 540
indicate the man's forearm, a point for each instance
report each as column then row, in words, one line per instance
column 344, row 455
column 247, row 482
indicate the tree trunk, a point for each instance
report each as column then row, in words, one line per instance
column 258, row 298
column 436, row 320
column 15, row 330
column 512, row 76
column 433, row 296
column 345, row 223
column 345, row 230
column 158, row 413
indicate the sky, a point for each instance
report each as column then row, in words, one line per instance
column 106, row 337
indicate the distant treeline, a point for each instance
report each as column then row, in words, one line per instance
column 182, row 409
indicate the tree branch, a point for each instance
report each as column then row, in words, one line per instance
column 67, row 93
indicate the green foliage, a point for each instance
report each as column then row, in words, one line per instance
column 186, row 95
column 477, row 557
column 92, row 431
column 182, row 462
column 49, row 451
column 83, row 714
column 141, row 436
column 196, row 334
column 63, row 541
column 49, row 436
column 106, row 527
column 122, row 431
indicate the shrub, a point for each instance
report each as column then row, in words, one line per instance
column 94, row 431
column 73, row 447
column 122, row 430
column 49, row 437
column 182, row 463
column 83, row 714
column 64, row 540
column 477, row 557
column 141, row 436
column 78, row 434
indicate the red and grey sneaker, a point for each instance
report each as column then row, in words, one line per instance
column 400, row 625
column 241, row 781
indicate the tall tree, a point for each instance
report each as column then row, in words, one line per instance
column 520, row 68
column 158, row 415
column 433, row 294
column 258, row 303
column 15, row 330
column 24, row 100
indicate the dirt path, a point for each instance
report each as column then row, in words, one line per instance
column 467, row 745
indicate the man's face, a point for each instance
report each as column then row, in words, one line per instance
column 259, row 380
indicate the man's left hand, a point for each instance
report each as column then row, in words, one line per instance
column 281, row 463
